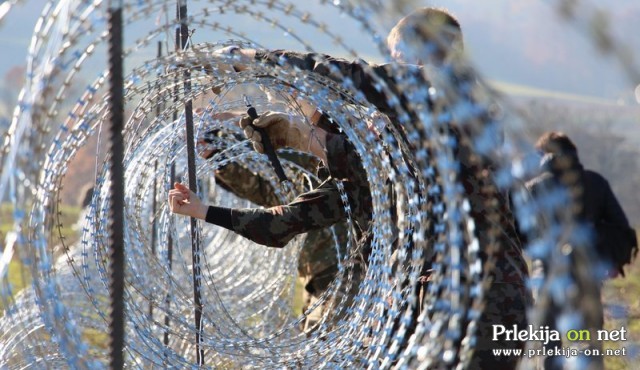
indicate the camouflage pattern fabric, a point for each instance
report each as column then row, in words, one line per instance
column 311, row 212
column 507, row 299
column 476, row 178
column 245, row 184
column 316, row 209
column 318, row 251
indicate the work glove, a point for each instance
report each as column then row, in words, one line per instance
column 227, row 50
column 203, row 56
column 284, row 130
column 239, row 60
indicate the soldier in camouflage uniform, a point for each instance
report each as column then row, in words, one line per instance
column 506, row 298
column 318, row 259
column 315, row 210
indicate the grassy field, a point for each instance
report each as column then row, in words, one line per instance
column 620, row 296
column 67, row 217
column 18, row 276
column 622, row 309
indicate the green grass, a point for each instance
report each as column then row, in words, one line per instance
column 68, row 216
column 298, row 298
column 18, row 276
column 621, row 291
column 5, row 218
column 97, row 340
column 624, row 292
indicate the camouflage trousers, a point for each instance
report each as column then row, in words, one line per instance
column 314, row 288
column 313, row 293
column 312, row 318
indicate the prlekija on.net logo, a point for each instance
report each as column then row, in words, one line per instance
column 545, row 335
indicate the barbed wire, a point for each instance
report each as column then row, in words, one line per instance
column 420, row 210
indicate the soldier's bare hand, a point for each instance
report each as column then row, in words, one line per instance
column 183, row 201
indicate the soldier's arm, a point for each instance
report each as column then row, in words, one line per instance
column 362, row 76
column 276, row 226
column 245, row 184
column 319, row 208
column 234, row 177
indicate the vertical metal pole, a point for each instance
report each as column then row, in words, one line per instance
column 172, row 177
column 116, row 214
column 167, row 299
column 193, row 186
column 153, row 225
column 154, row 222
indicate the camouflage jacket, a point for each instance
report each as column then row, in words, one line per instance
column 311, row 212
column 246, row 184
column 489, row 206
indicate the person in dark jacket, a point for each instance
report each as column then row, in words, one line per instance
column 591, row 201
column 595, row 201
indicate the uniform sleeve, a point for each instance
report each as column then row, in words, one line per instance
column 316, row 209
column 343, row 161
column 245, row 184
column 358, row 73
column 276, row 226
